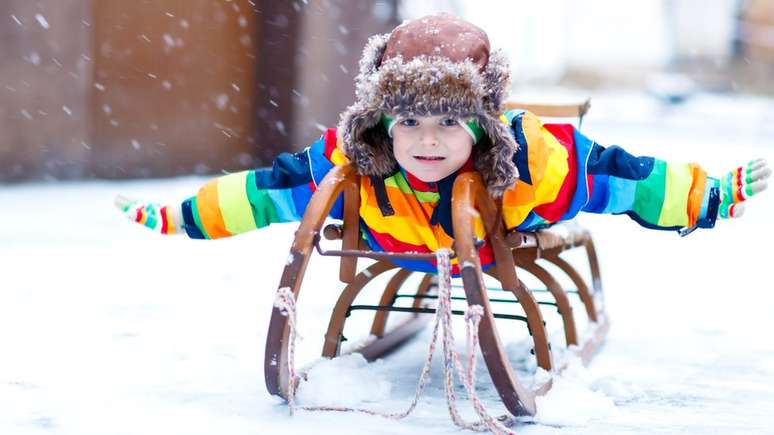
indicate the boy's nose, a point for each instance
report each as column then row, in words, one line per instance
column 429, row 138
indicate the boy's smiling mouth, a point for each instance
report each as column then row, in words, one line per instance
column 429, row 158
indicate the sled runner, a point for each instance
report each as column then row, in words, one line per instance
column 514, row 253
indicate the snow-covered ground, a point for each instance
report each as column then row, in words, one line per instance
column 106, row 328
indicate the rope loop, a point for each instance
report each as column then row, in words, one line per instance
column 286, row 303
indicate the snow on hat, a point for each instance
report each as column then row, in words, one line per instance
column 433, row 65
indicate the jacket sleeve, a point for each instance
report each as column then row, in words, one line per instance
column 655, row 193
column 247, row 200
column 570, row 173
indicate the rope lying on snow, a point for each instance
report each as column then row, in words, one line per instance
column 451, row 359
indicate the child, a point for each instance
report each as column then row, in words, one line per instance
column 428, row 107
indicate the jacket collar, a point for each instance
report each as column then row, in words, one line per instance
column 442, row 211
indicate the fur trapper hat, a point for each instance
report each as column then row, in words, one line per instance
column 434, row 65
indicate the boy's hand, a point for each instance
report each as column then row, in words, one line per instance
column 162, row 219
column 740, row 184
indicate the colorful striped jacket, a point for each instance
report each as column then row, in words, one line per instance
column 561, row 172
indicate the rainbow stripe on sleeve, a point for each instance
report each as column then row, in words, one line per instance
column 655, row 193
column 247, row 200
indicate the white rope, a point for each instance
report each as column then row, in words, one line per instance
column 285, row 301
column 473, row 316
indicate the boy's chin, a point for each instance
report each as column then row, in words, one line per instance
column 428, row 173
column 431, row 177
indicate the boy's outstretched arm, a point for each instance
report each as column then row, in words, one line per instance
column 562, row 172
column 244, row 201
column 668, row 195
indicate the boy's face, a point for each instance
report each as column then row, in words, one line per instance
column 430, row 147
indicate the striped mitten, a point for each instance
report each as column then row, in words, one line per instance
column 162, row 219
column 740, row 184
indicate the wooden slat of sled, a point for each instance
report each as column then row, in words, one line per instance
column 552, row 110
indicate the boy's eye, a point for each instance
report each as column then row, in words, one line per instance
column 409, row 122
column 448, row 122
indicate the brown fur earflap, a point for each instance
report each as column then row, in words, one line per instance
column 366, row 141
column 493, row 156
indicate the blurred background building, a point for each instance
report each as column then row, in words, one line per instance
column 145, row 88
column 153, row 88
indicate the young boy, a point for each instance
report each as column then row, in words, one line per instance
column 428, row 107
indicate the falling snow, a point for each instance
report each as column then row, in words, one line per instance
column 34, row 58
column 42, row 21
column 169, row 40
column 221, row 101
column 281, row 127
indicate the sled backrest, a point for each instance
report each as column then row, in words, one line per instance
column 570, row 110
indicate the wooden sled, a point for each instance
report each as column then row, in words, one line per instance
column 512, row 251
